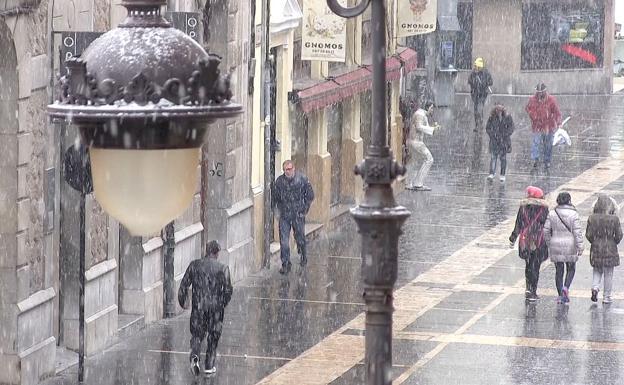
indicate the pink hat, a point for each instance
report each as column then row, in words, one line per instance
column 534, row 192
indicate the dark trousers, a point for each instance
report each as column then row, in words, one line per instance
column 503, row 162
column 570, row 268
column 208, row 325
column 478, row 104
column 297, row 224
column 532, row 270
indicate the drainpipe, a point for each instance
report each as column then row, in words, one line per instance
column 265, row 107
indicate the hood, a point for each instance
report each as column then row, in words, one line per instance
column 534, row 201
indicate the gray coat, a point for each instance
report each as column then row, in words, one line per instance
column 563, row 245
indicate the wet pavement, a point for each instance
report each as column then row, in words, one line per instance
column 461, row 316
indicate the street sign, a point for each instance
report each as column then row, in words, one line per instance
column 187, row 22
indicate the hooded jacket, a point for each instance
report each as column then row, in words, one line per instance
column 529, row 224
column 499, row 129
column 545, row 115
column 604, row 232
column 563, row 245
column 480, row 81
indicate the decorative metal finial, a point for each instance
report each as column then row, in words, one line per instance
column 144, row 13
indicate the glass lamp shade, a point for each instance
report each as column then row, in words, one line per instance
column 144, row 189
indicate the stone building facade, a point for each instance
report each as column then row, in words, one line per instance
column 39, row 228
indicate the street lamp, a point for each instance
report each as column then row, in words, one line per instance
column 142, row 96
column 378, row 216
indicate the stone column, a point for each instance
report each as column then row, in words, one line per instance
column 319, row 167
column 352, row 151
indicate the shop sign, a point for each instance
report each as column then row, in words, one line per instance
column 324, row 34
column 416, row 17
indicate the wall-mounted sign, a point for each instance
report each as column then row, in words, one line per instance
column 416, row 17
column 187, row 22
column 324, row 34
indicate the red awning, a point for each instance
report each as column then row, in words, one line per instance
column 352, row 83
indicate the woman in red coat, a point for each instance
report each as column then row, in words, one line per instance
column 543, row 110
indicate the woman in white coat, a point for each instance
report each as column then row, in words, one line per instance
column 564, row 237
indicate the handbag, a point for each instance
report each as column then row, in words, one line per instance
column 565, row 224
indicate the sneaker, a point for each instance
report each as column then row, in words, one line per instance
column 490, row 177
column 536, row 164
column 422, row 188
column 527, row 294
column 594, row 296
column 532, row 297
column 566, row 295
column 502, row 178
column 195, row 366
column 607, row 300
column 410, row 188
column 559, row 300
column 210, row 371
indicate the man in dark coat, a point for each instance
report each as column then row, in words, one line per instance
column 480, row 82
column 529, row 231
column 292, row 195
column 499, row 128
column 212, row 291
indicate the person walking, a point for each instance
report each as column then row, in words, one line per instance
column 212, row 291
column 480, row 82
column 499, row 128
column 528, row 231
column 419, row 126
column 545, row 116
column 292, row 195
column 564, row 237
column 604, row 233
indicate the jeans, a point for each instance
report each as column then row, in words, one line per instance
column 570, row 268
column 206, row 324
column 478, row 105
column 503, row 162
column 542, row 145
column 414, row 178
column 531, row 271
column 298, row 226
column 607, row 272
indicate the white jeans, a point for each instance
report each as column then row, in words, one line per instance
column 607, row 272
column 414, row 178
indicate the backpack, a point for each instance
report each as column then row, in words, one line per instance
column 529, row 239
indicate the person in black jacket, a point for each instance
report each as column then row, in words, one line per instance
column 480, row 82
column 529, row 231
column 292, row 195
column 212, row 291
column 499, row 128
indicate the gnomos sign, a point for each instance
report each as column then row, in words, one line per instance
column 416, row 17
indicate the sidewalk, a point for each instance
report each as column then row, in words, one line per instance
column 459, row 285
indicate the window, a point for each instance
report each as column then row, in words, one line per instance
column 562, row 35
column 463, row 42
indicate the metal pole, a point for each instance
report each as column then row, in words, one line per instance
column 81, row 305
column 266, row 113
column 169, row 271
column 378, row 216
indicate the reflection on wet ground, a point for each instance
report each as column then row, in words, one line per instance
column 479, row 332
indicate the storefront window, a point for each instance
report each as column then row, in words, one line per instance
column 562, row 36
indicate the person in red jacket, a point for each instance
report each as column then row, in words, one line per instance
column 543, row 110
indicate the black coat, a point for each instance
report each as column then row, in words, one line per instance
column 530, row 221
column 604, row 232
column 479, row 82
column 293, row 196
column 499, row 129
column 212, row 286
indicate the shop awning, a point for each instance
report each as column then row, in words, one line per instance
column 334, row 90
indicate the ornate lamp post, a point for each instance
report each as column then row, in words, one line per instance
column 142, row 96
column 378, row 216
